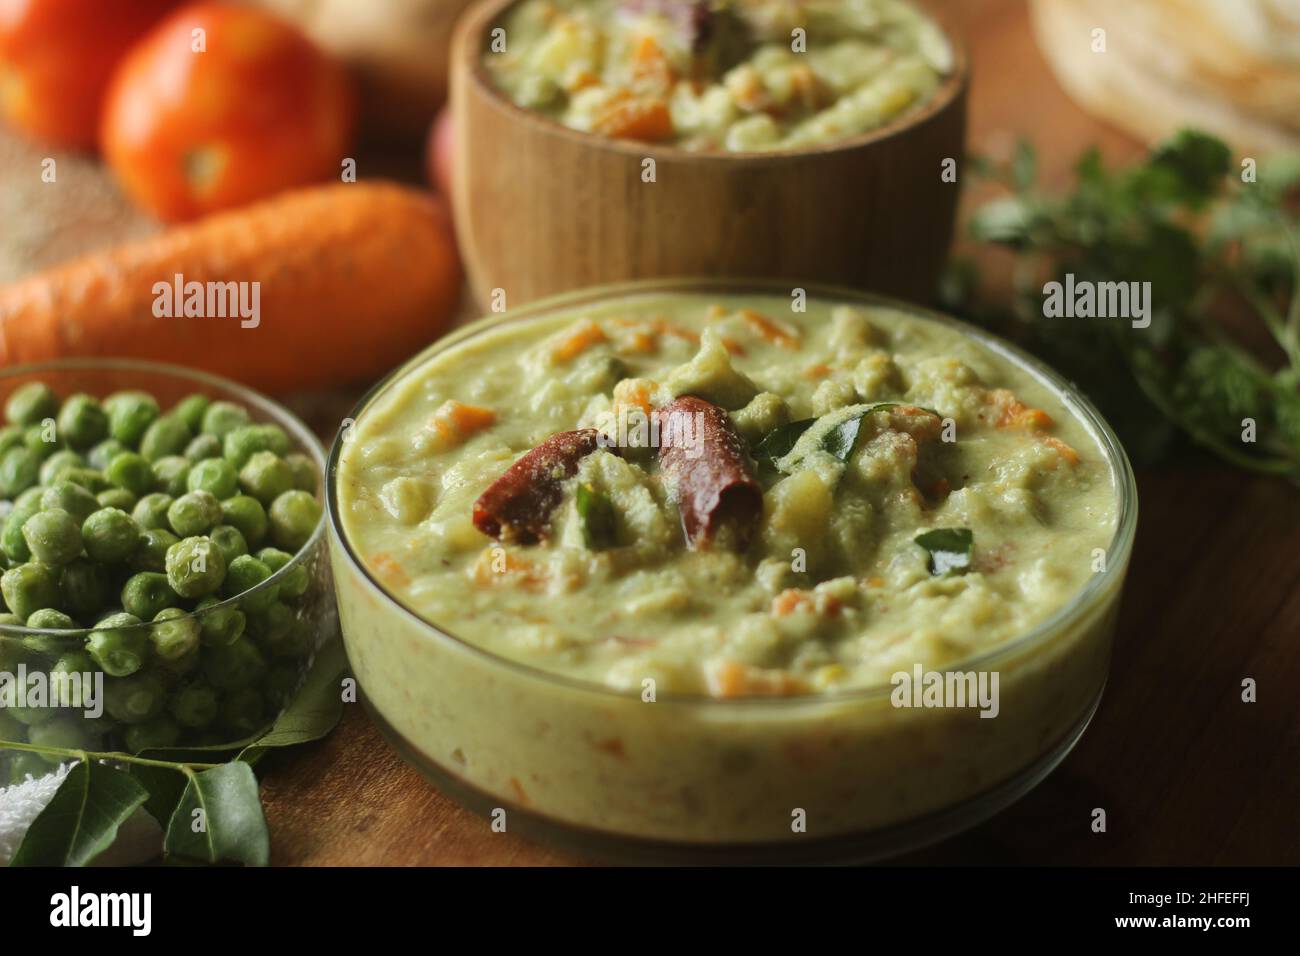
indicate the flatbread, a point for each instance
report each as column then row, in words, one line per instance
column 1230, row 67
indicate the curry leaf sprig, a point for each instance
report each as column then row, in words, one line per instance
column 205, row 798
column 1216, row 238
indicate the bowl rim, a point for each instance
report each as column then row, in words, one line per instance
column 274, row 411
column 1117, row 551
column 471, row 33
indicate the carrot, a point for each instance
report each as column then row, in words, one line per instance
column 634, row 392
column 819, row 370
column 389, row 569
column 1013, row 413
column 793, row 600
column 513, row 570
column 770, row 329
column 455, row 421
column 581, row 337
column 1069, row 454
column 726, row 678
column 642, row 118
column 352, row 278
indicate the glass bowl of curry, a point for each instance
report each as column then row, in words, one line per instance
column 709, row 571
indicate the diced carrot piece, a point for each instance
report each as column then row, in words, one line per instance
column 793, row 600
column 726, row 678
column 455, row 421
column 1069, row 454
column 817, row 371
column 732, row 346
column 389, row 569
column 643, row 118
column 583, row 336
column 770, row 329
column 634, row 391
column 491, row 569
column 663, row 327
column 650, row 66
column 1013, row 413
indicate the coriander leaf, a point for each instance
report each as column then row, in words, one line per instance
column 597, row 517
column 81, row 821
column 949, row 550
column 219, row 819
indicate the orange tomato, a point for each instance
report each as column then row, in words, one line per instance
column 56, row 57
column 222, row 105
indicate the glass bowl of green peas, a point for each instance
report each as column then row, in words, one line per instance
column 163, row 576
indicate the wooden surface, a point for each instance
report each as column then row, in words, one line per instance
column 1187, row 773
column 541, row 209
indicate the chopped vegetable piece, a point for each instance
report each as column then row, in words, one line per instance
column 599, row 522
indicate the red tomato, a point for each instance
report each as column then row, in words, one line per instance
column 56, row 57
column 222, row 105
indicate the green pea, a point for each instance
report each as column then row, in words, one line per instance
column 110, row 536
column 29, row 587
column 11, row 436
column 130, row 414
column 221, row 418
column 161, row 733
column 215, row 475
column 41, row 440
column 63, row 458
column 244, row 574
column 169, row 474
column 90, row 479
column 194, row 706
column 31, row 716
column 135, row 699
column 191, row 409
column 203, row 447
column 221, row 625
column 304, row 471
column 247, row 514
column 51, row 619
column 151, row 510
column 71, row 679
column 272, row 626
column 11, row 536
column 151, row 554
column 104, row 452
column 265, row 476
column 53, row 536
column 242, row 710
column 68, row 733
column 118, row 498
column 147, row 593
column 117, row 645
column 195, row 567
column 82, row 422
column 229, row 541
column 242, row 443
column 194, row 513
column 239, row 664
column 30, row 403
column 20, row 468
column 132, row 472
column 293, row 518
column 294, row 582
column 83, row 588
column 175, row 635
column 71, row 498
column 168, row 435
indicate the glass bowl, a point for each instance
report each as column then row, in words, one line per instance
column 286, row 618
column 843, row 776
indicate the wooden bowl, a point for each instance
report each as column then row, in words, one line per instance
column 541, row 208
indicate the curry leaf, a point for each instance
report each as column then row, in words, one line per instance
column 597, row 517
column 81, row 821
column 949, row 550
column 781, row 440
column 219, row 819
